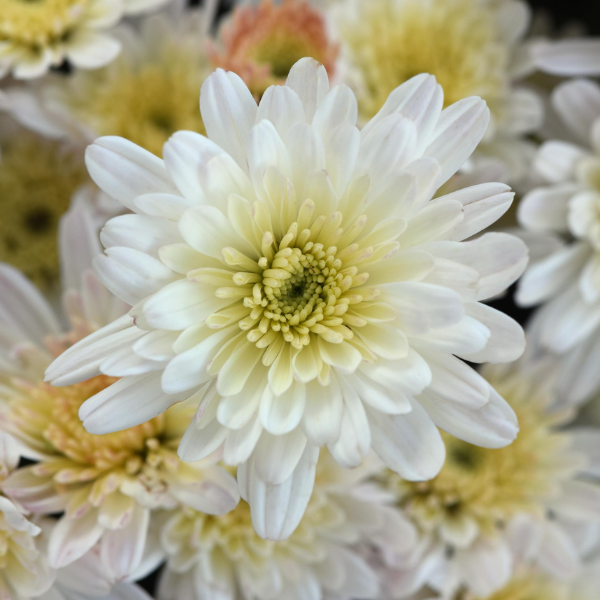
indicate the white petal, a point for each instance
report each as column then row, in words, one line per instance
column 23, row 309
column 126, row 403
column 72, row 538
column 88, row 49
column 308, row 78
column 547, row 278
column 213, row 491
column 281, row 106
column 409, row 444
column 507, row 339
column 82, row 360
column 144, row 233
column 185, row 153
column 494, row 425
column 323, row 413
column 278, row 509
column 181, row 304
column 124, row 170
column 355, row 435
column 121, row 550
column 546, row 208
column 228, row 112
column 569, row 57
column 281, row 414
column 555, row 161
column 578, row 105
column 483, row 205
column 419, row 99
column 454, row 381
column 276, row 456
column 459, row 129
column 130, row 274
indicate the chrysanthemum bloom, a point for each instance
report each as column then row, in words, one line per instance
column 37, row 35
column 262, row 43
column 473, row 47
column 24, row 570
column 528, row 582
column 223, row 557
column 567, row 275
column 294, row 276
column 146, row 94
column 540, row 484
column 105, row 484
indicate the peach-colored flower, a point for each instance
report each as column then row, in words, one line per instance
column 261, row 43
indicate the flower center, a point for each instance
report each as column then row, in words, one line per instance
column 299, row 293
column 37, row 182
column 37, row 23
column 49, row 417
column 455, row 40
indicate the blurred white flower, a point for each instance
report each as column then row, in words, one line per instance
column 473, row 47
column 106, row 485
column 35, row 36
column 222, row 557
column 146, row 94
column 489, row 509
column 294, row 277
column 569, row 58
column 567, row 275
column 24, row 570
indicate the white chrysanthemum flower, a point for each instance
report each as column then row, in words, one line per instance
column 35, row 36
column 473, row 47
column 24, row 570
column 223, row 557
column 146, row 94
column 540, row 486
column 567, row 275
column 569, row 58
column 294, row 277
column 106, row 485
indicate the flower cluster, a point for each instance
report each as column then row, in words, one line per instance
column 266, row 347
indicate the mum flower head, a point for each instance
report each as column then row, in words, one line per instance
column 562, row 220
column 262, row 43
column 223, row 557
column 473, row 47
column 104, row 486
column 542, row 488
column 294, row 276
column 146, row 94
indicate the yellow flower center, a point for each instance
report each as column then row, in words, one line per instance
column 144, row 104
column 455, row 40
column 37, row 181
column 38, row 23
column 46, row 418
column 489, row 486
column 298, row 293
